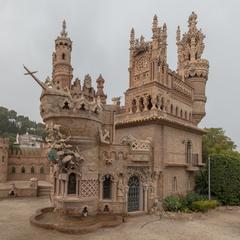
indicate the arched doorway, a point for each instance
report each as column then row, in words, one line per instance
column 133, row 194
column 72, row 183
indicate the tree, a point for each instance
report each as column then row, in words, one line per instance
column 215, row 142
column 225, row 180
column 11, row 124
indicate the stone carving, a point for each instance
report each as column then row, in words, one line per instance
column 142, row 172
column 120, row 187
column 89, row 188
column 104, row 136
column 62, row 153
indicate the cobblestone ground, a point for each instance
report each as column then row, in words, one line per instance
column 221, row 224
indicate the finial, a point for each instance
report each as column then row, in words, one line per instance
column 132, row 35
column 178, row 34
column 64, row 33
column 192, row 21
column 155, row 22
column 164, row 27
column 100, row 79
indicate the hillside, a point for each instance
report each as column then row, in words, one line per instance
column 11, row 123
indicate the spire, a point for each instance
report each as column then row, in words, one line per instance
column 178, row 34
column 192, row 22
column 63, row 32
column 132, row 37
column 155, row 22
column 100, row 92
column 155, row 27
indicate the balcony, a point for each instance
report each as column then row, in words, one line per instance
column 193, row 164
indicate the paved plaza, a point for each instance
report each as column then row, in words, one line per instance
column 221, row 224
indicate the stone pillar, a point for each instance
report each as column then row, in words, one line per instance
column 138, row 104
column 145, row 103
column 126, row 199
column 145, row 193
column 154, row 102
column 114, row 191
column 100, row 190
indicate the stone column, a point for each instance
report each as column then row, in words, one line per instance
column 138, row 104
column 154, row 102
column 126, row 199
column 100, row 189
column 145, row 193
column 145, row 103
column 114, row 191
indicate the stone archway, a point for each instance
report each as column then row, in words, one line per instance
column 133, row 194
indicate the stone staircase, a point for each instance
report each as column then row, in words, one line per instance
column 44, row 191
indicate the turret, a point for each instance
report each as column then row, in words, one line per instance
column 4, row 146
column 192, row 67
column 100, row 92
column 62, row 69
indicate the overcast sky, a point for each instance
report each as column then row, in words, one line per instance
column 100, row 30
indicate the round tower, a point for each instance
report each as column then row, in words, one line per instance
column 62, row 69
column 4, row 145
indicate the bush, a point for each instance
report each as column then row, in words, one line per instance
column 174, row 203
column 193, row 197
column 204, row 205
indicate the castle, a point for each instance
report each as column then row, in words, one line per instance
column 112, row 158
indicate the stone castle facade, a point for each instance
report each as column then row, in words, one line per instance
column 22, row 164
column 112, row 158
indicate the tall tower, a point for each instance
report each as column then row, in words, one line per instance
column 192, row 67
column 62, row 69
column 4, row 145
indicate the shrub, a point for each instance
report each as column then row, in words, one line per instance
column 174, row 203
column 193, row 197
column 204, row 205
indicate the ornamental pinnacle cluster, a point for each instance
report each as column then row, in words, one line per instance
column 121, row 158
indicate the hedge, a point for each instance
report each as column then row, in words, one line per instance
column 204, row 205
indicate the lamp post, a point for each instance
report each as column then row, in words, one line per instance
column 209, row 178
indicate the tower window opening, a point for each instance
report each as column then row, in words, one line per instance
column 141, row 104
column 83, row 108
column 66, row 105
column 23, row 170
column 63, row 56
column 149, row 103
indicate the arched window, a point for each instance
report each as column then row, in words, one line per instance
column 72, row 183
column 181, row 113
column 23, row 170
column 41, row 170
column 141, row 105
column 63, row 56
column 2, row 158
column 174, row 184
column 32, row 170
column 13, row 170
column 171, row 109
column 107, row 187
column 134, row 105
column 83, row 108
column 189, row 152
